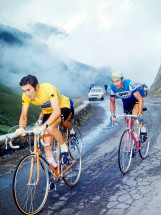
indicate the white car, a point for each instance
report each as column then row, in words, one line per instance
column 96, row 93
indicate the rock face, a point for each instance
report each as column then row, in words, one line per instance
column 155, row 89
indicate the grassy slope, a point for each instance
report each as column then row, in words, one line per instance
column 10, row 109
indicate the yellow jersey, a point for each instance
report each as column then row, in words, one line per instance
column 46, row 94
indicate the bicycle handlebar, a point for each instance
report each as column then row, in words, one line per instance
column 13, row 135
column 9, row 141
column 128, row 115
column 123, row 115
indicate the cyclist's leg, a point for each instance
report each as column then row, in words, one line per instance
column 135, row 109
column 57, row 133
column 130, row 108
column 68, row 125
column 49, row 149
column 52, row 130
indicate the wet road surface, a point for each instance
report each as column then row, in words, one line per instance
column 102, row 188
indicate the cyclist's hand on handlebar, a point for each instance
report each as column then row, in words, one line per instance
column 113, row 118
column 39, row 122
column 39, row 129
column 20, row 132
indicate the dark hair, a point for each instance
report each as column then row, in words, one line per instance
column 29, row 79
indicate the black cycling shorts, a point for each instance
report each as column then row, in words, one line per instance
column 65, row 112
column 128, row 107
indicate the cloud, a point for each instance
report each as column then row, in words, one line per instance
column 74, row 22
column 45, row 31
column 109, row 12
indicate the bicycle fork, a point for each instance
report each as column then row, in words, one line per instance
column 37, row 152
column 124, row 145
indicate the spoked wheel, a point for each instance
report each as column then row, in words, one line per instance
column 125, row 151
column 79, row 140
column 30, row 191
column 73, row 165
column 144, row 140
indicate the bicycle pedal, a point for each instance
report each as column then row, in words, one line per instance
column 134, row 153
column 143, row 138
column 52, row 186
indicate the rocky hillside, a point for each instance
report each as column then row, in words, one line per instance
column 155, row 89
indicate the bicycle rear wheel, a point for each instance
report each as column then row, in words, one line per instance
column 125, row 151
column 144, row 141
column 79, row 140
column 73, row 165
column 30, row 196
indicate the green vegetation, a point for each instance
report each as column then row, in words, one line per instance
column 81, row 119
column 76, row 103
column 10, row 109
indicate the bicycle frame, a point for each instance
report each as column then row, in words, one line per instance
column 59, row 172
column 129, row 142
column 132, row 136
column 131, row 131
column 136, row 142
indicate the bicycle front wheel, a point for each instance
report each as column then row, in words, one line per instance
column 30, row 191
column 125, row 151
column 73, row 165
column 79, row 140
column 144, row 141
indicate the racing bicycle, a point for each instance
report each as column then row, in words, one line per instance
column 132, row 141
column 33, row 173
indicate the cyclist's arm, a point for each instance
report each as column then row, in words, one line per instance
column 112, row 105
column 56, row 112
column 22, row 121
column 23, row 117
column 140, row 100
column 41, row 116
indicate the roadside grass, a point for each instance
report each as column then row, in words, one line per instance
column 76, row 103
column 80, row 120
column 4, row 129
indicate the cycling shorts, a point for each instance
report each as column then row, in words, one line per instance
column 65, row 112
column 128, row 107
column 72, row 110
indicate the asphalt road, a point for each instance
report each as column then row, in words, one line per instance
column 102, row 188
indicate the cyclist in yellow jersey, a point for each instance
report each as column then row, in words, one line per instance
column 55, row 110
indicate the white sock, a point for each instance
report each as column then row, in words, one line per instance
column 51, row 161
column 72, row 131
column 64, row 148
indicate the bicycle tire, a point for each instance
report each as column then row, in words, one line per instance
column 30, row 198
column 125, row 151
column 72, row 175
column 79, row 139
column 146, row 137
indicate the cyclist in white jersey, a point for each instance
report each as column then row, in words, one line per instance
column 131, row 97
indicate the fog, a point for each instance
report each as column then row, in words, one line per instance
column 22, row 54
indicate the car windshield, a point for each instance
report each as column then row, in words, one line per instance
column 96, row 90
